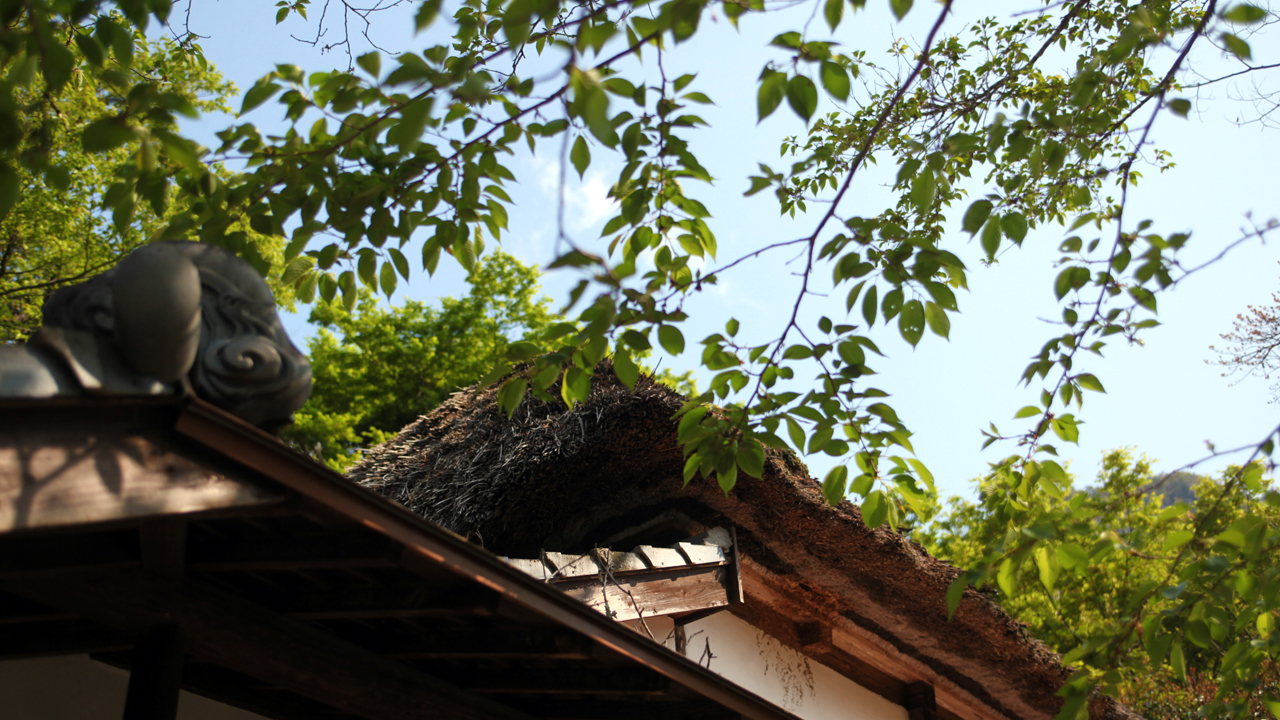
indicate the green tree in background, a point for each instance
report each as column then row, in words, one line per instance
column 1118, row 543
column 1023, row 127
column 56, row 231
column 377, row 369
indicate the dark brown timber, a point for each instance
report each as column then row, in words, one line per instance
column 155, row 676
column 279, row 650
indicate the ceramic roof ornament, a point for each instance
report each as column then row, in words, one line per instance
column 170, row 314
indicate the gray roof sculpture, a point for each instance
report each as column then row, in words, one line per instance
column 171, row 317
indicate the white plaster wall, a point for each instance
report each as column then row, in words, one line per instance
column 775, row 672
column 73, row 687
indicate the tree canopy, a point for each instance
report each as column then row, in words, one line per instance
column 376, row 370
column 1123, row 540
column 53, row 230
column 1010, row 124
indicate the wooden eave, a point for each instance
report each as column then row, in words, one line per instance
column 295, row 592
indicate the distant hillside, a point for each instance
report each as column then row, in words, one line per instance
column 1176, row 487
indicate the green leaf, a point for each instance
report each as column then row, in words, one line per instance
column 296, row 269
column 671, row 339
column 10, row 188
column 802, row 95
column 1064, row 426
column 1053, row 471
column 511, row 393
column 59, row 62
column 372, row 64
column 689, row 421
column 1071, row 556
column 900, row 7
column 1006, row 577
column 875, row 509
column 869, row 306
column 1236, row 46
column 923, row 191
column 258, row 94
column 1180, row 106
column 1145, row 297
column 347, row 283
column 911, row 322
column 580, row 155
column 387, row 279
column 852, row 353
column 834, row 484
column 727, row 478
column 1089, row 382
column 937, row 319
column 1244, row 14
column 1177, row 539
column 751, row 458
column 625, row 368
column 1028, row 411
column 955, row 593
column 773, row 87
column 833, row 10
column 991, row 233
column 1197, row 631
column 1178, row 662
column 575, row 387
column 367, row 267
column 1014, row 226
column 834, row 78
column 106, row 134
column 1047, row 566
column 976, row 215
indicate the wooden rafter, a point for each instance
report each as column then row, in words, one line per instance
column 279, row 650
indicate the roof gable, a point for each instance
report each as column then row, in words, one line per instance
column 554, row 479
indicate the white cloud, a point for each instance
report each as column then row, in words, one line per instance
column 586, row 201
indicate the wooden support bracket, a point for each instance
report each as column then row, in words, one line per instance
column 155, row 676
column 920, row 701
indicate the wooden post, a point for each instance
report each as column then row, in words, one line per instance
column 155, row 676
column 163, row 542
column 736, row 595
column 920, row 702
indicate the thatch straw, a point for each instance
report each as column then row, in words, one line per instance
column 556, row 479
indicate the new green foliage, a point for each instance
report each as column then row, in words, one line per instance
column 376, row 369
column 1029, row 127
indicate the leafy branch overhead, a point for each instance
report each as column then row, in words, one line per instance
column 1036, row 125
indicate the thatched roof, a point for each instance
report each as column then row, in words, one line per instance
column 557, row 479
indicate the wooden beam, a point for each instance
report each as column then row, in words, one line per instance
column 656, row 592
column 531, row 644
column 582, row 681
column 73, row 636
column 331, row 550
column 14, row 610
column 155, row 676
column 232, row 632
column 551, row 708
column 921, row 702
column 57, row 477
column 320, row 486
column 42, row 554
column 363, row 603
column 240, row 691
column 163, row 542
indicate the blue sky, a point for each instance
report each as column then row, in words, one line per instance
column 1162, row 398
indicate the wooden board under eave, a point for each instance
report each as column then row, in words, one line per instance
column 655, row 592
column 50, row 478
